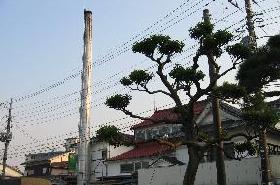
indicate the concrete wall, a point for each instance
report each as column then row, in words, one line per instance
column 114, row 169
column 245, row 172
column 275, row 166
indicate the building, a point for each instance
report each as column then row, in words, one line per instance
column 46, row 164
column 100, row 152
column 148, row 153
column 71, row 144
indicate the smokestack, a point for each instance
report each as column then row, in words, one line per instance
column 85, row 109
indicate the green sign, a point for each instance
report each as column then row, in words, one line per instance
column 72, row 162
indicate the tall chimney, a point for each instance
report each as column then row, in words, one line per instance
column 85, row 109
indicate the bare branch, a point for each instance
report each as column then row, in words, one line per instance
column 235, row 63
column 173, row 92
column 167, row 59
column 145, row 89
column 127, row 112
column 159, row 58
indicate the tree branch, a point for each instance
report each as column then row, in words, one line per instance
column 173, row 92
column 235, row 63
column 129, row 113
column 145, row 89
column 167, row 59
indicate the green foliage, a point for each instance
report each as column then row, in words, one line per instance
column 210, row 41
column 139, row 77
column 112, row 135
column 107, row 132
column 274, row 42
column 262, row 67
column 187, row 75
column 256, row 112
column 239, row 51
column 201, row 29
column 125, row 81
column 245, row 147
column 265, row 118
column 162, row 43
column 222, row 37
column 118, row 101
column 230, row 91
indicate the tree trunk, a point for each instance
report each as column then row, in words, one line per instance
column 265, row 169
column 192, row 167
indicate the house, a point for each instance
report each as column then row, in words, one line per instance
column 148, row 153
column 100, row 152
column 46, row 164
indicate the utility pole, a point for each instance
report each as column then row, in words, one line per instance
column 220, row 164
column 85, row 109
column 8, row 137
column 263, row 148
column 250, row 25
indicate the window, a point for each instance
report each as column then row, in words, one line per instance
column 127, row 168
column 152, row 134
column 104, row 154
column 164, row 131
column 137, row 166
column 131, row 167
column 140, row 135
column 145, row 164
column 45, row 170
column 176, row 129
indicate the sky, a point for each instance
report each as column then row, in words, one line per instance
column 41, row 45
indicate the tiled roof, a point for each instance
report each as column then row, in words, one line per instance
column 230, row 109
column 169, row 115
column 143, row 150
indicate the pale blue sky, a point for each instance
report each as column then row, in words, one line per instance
column 41, row 43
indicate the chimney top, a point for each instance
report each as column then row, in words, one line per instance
column 87, row 11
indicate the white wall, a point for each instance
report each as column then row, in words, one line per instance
column 245, row 172
column 114, row 168
column 182, row 154
column 98, row 167
column 275, row 165
column 207, row 117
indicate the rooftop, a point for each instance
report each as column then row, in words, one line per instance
column 169, row 115
column 143, row 150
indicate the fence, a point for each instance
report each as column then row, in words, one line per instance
column 245, row 172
